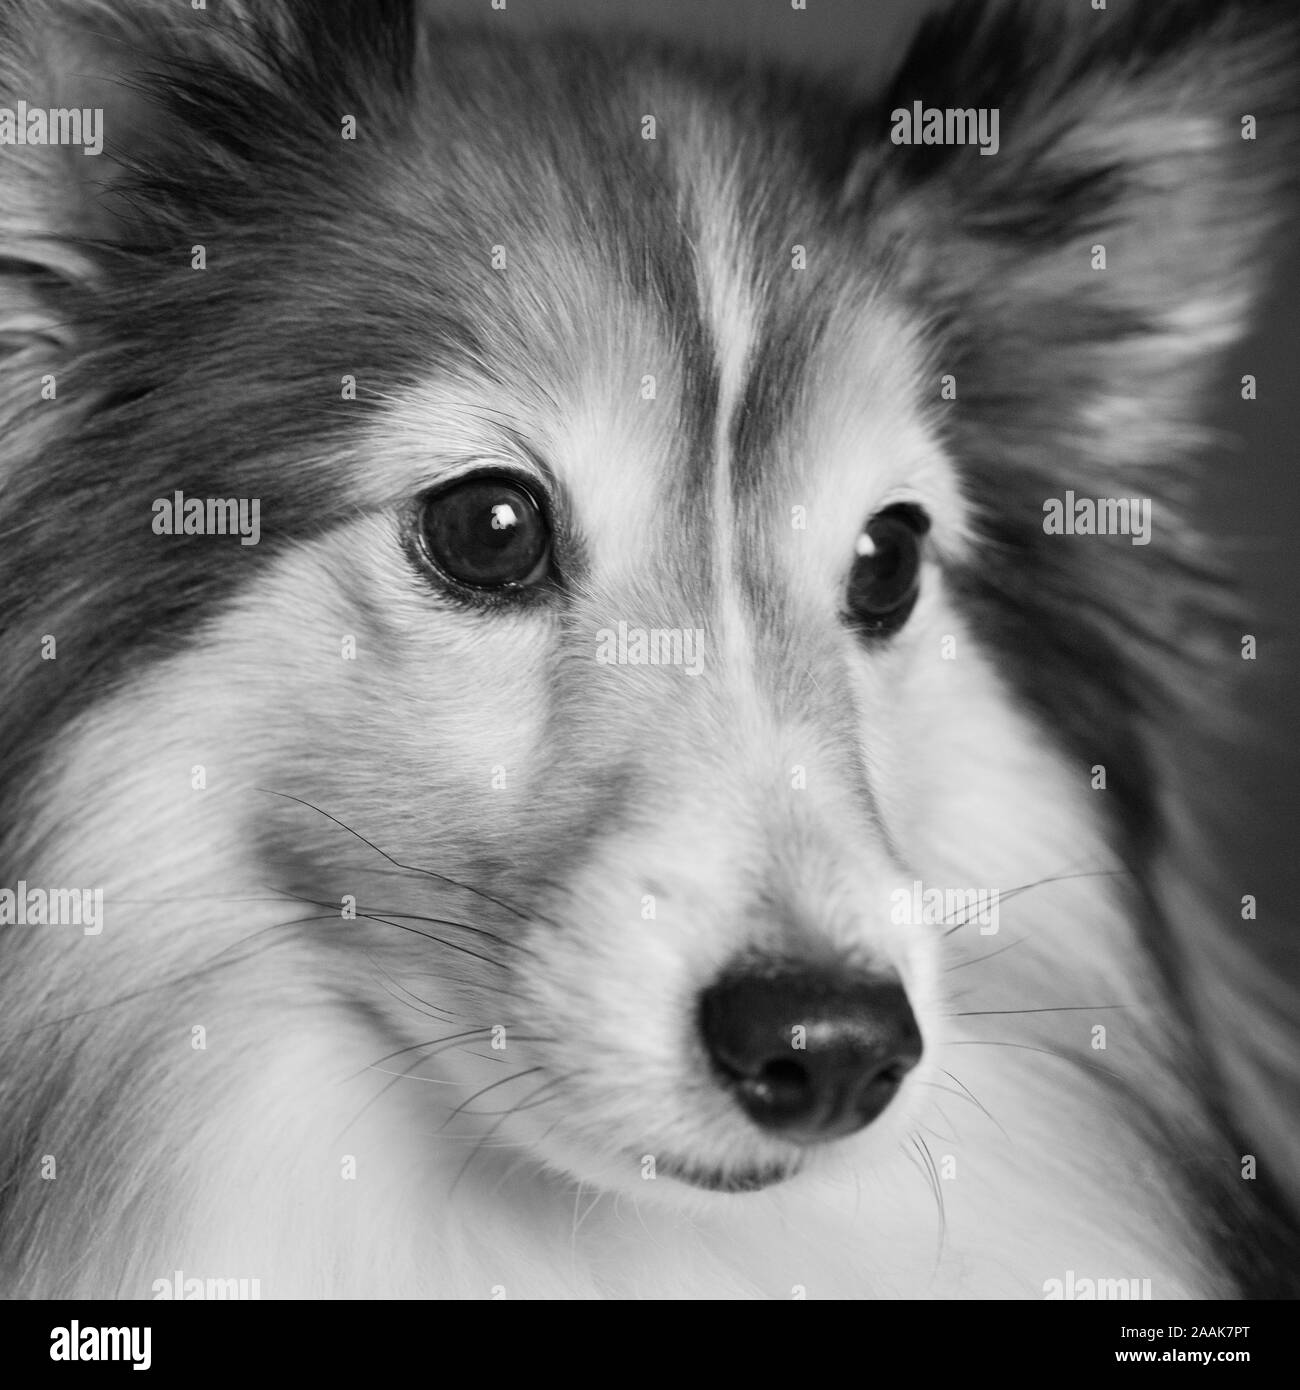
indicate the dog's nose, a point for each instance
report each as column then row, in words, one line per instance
column 810, row 1052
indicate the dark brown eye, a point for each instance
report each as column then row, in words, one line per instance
column 886, row 576
column 486, row 532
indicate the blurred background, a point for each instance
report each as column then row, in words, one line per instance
column 1252, row 490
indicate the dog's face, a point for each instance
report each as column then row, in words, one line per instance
column 653, row 587
column 697, row 846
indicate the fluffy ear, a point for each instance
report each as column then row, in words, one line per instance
column 1081, row 283
column 128, row 131
column 1111, row 238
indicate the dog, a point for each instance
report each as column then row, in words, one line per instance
column 606, row 656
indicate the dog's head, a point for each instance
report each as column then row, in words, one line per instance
column 701, row 516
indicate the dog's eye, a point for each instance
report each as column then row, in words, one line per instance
column 487, row 533
column 886, row 576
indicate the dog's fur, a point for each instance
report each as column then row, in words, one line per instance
column 499, row 805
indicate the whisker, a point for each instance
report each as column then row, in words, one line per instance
column 429, row 936
column 976, row 960
column 578, row 1220
column 532, row 1104
column 397, row 863
column 412, row 1000
column 414, row 1047
column 1061, row 1009
column 946, row 1090
column 491, row 1086
column 379, row 1094
column 936, row 1186
column 1005, row 895
column 951, row 1138
column 405, row 1075
column 1046, row 1051
column 439, row 1043
column 483, row 1139
column 975, row 1099
column 465, row 926
column 451, row 922
column 415, row 931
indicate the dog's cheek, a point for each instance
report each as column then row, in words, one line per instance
column 414, row 720
column 974, row 792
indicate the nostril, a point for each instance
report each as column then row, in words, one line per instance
column 809, row 1052
column 784, row 1075
column 781, row 1088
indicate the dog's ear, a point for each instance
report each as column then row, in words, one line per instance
column 1108, row 235
column 1081, row 283
column 129, row 131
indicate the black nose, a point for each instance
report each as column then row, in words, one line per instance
column 810, row 1052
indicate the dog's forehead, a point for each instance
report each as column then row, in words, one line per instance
column 709, row 353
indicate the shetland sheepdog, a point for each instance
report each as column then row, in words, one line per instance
column 605, row 658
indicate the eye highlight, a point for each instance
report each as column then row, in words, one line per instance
column 886, row 577
column 486, row 531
